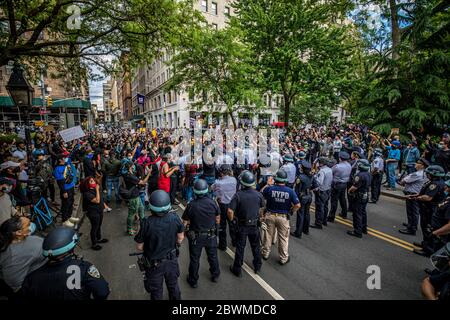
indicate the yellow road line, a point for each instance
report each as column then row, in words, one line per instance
column 378, row 234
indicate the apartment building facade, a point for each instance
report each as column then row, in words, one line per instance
column 173, row 109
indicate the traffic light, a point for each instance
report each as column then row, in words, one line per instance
column 49, row 101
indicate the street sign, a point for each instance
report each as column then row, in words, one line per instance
column 72, row 133
column 41, row 112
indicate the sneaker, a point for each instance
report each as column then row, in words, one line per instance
column 74, row 220
column 108, row 209
column 96, row 247
column 68, row 224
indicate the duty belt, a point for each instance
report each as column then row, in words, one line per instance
column 278, row 214
column 249, row 222
column 154, row 263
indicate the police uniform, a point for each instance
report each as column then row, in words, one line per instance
column 201, row 214
column 53, row 280
column 225, row 189
column 280, row 200
column 323, row 180
column 291, row 173
column 435, row 214
column 341, row 176
column 377, row 177
column 351, row 197
column 159, row 236
column 435, row 189
column 246, row 205
column 362, row 184
column 303, row 190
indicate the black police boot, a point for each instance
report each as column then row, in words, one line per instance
column 222, row 248
column 315, row 226
column 342, row 216
column 364, row 231
column 330, row 219
column 296, row 235
column 215, row 279
column 97, row 247
column 407, row 231
column 239, row 275
column 405, row 224
column 103, row 240
column 354, row 234
column 193, row 285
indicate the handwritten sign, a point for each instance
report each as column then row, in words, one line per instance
column 72, row 134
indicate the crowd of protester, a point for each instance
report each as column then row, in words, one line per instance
column 125, row 166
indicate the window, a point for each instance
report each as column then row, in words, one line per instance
column 227, row 12
column 214, row 26
column 205, row 5
column 214, row 8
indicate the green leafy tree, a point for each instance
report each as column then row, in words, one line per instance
column 299, row 46
column 410, row 90
column 39, row 32
column 215, row 66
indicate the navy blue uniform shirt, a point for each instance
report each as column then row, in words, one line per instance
column 159, row 235
column 280, row 198
column 201, row 213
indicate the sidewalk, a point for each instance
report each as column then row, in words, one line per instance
column 397, row 194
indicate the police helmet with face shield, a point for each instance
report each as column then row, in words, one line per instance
column 59, row 241
column 159, row 202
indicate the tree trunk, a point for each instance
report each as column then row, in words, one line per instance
column 232, row 120
column 395, row 29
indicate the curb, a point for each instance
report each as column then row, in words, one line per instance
column 392, row 195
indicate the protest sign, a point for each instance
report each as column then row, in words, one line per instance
column 72, row 133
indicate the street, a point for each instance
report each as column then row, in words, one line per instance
column 327, row 264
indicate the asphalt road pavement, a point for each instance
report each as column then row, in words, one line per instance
column 326, row 264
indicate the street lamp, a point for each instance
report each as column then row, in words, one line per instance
column 22, row 94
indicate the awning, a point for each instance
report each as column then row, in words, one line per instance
column 6, row 101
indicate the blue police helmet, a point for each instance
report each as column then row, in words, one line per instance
column 281, row 176
column 159, row 202
column 301, row 155
column 59, row 241
column 247, row 179
column 200, row 187
column 288, row 158
column 363, row 165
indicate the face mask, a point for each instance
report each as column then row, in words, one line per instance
column 32, row 228
column 92, row 185
column 440, row 146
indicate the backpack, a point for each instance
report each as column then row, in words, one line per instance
column 125, row 194
column 68, row 174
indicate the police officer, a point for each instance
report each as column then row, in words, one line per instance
column 413, row 183
column 300, row 156
column 322, row 186
column 440, row 222
column 431, row 194
column 341, row 176
column 437, row 285
column 202, row 215
column 290, row 170
column 377, row 175
column 360, row 189
column 281, row 201
column 246, row 209
column 159, row 237
column 225, row 189
column 303, row 190
column 64, row 277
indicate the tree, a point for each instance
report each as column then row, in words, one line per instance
column 299, row 46
column 215, row 66
column 411, row 90
column 38, row 32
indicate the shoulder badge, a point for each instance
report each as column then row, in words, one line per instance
column 432, row 187
column 93, row 272
column 356, row 178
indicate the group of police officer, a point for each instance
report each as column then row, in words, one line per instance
column 259, row 213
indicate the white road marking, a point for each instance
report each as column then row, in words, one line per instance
column 251, row 273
